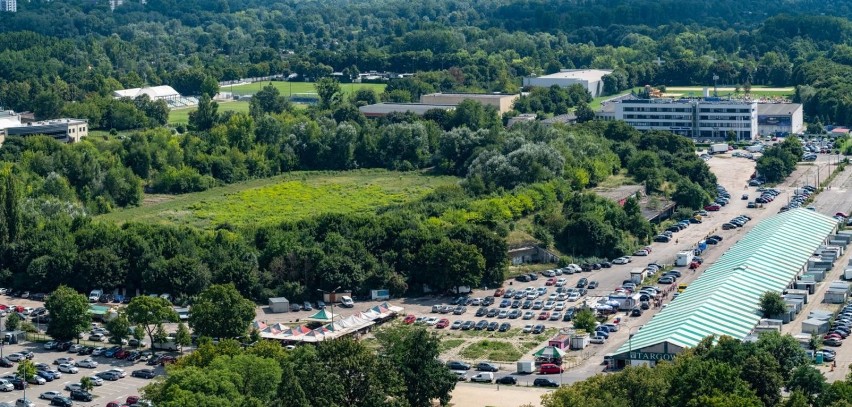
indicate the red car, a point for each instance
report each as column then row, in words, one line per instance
column 167, row 360
column 499, row 292
column 694, row 265
column 132, row 400
column 409, row 319
column 833, row 335
column 122, row 354
column 712, row 208
column 841, row 214
column 550, row 281
column 549, row 368
column 113, row 404
column 443, row 323
column 544, row 315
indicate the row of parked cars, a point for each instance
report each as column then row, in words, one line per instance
column 841, row 327
column 736, row 222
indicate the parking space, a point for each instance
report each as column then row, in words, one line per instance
column 117, row 390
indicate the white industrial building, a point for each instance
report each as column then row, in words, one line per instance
column 779, row 119
column 164, row 92
column 706, row 118
column 69, row 130
column 589, row 78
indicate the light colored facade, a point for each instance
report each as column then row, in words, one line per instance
column 780, row 118
column 502, row 102
column 70, row 130
column 589, row 78
column 164, row 92
column 708, row 118
column 115, row 3
column 10, row 6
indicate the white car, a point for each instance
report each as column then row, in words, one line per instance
column 99, row 330
column 560, row 306
column 621, row 260
column 87, row 363
column 549, row 305
column 73, row 386
column 641, row 252
column 97, row 337
column 15, row 357
column 61, row 361
column 98, row 351
column 68, row 368
column 527, row 328
column 574, row 296
column 49, row 395
column 598, row 339
column 560, row 282
column 432, row 321
column 75, row 348
column 97, row 381
column 6, row 385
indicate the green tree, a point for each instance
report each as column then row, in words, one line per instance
column 762, row 372
column 771, row 304
column 206, row 116
column 160, row 336
column 69, row 313
column 268, row 100
column 150, row 313
column 209, row 86
column 221, row 311
column 182, row 336
column 13, row 322
column 86, row 383
column 118, row 327
column 585, row 320
column 329, row 92
column 584, row 113
column 807, row 380
column 414, row 352
column 26, row 371
column 689, row 194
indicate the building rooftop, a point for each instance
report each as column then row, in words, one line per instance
column 474, row 95
column 724, row 299
column 54, row 121
column 777, row 109
column 583, row 74
column 388, row 108
column 153, row 92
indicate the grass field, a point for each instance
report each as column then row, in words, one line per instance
column 286, row 197
column 177, row 116
column 288, row 88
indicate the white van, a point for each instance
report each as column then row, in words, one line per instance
column 483, row 377
column 346, row 302
column 95, row 295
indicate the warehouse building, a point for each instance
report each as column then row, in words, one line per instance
column 384, row 109
column 503, row 102
column 154, row 93
column 779, row 119
column 724, row 300
column 591, row 79
column 69, row 130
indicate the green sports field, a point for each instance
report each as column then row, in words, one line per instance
column 177, row 116
column 288, row 88
column 292, row 196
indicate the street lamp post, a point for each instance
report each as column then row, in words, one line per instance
column 630, row 342
column 334, row 291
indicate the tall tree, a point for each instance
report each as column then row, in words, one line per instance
column 118, row 327
column 150, row 312
column 414, row 353
column 182, row 336
column 221, row 311
column 771, row 303
column 206, row 116
column 329, row 92
column 69, row 313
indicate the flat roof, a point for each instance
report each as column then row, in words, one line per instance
column 584, row 74
column 777, row 109
column 724, row 299
column 387, row 108
column 475, row 95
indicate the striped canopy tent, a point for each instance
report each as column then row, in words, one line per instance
column 258, row 325
column 323, row 315
column 724, row 300
column 549, row 352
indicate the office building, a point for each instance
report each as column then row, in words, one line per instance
column 706, row 118
column 10, row 6
column 591, row 79
column 779, row 119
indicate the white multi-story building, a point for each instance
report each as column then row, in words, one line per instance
column 708, row 118
column 10, row 6
column 115, row 3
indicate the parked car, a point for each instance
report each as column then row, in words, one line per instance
column 507, row 380
column 81, row 395
column 542, row 382
column 144, row 373
column 456, row 365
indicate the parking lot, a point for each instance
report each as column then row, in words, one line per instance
column 109, row 391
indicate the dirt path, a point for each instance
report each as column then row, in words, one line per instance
column 481, row 395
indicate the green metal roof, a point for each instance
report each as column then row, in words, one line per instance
column 724, row 299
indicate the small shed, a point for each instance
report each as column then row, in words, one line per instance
column 814, row 326
column 279, row 304
column 561, row 341
column 835, row 296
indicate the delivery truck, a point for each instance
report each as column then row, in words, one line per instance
column 718, row 148
column 684, row 258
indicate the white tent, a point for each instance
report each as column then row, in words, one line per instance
column 153, row 92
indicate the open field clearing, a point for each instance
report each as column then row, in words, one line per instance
column 286, row 197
